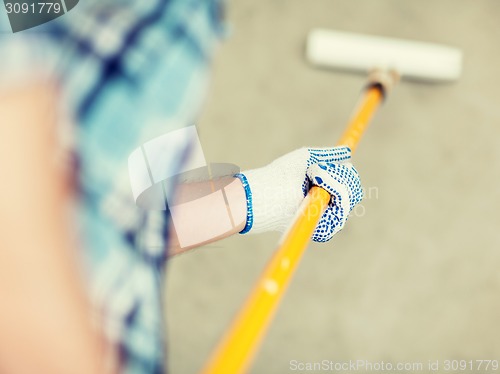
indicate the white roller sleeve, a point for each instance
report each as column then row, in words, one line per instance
column 416, row 60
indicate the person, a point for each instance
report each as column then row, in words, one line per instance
column 81, row 265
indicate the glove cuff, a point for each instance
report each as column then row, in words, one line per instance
column 248, row 194
column 268, row 202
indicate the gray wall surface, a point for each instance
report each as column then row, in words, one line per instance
column 415, row 275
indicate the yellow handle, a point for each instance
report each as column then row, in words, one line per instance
column 236, row 350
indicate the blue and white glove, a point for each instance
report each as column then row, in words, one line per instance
column 275, row 191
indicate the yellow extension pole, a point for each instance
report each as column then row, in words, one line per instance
column 239, row 345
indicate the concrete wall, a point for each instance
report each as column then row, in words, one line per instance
column 415, row 274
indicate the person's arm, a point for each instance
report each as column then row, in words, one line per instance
column 206, row 212
column 266, row 199
column 45, row 318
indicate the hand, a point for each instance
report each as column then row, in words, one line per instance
column 341, row 180
column 275, row 191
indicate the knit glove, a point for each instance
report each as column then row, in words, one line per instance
column 275, row 191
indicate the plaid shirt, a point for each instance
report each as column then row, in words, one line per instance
column 128, row 71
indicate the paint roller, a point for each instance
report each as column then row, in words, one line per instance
column 385, row 60
column 413, row 60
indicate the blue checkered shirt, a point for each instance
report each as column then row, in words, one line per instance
column 128, row 71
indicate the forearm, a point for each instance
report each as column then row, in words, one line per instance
column 270, row 199
column 45, row 317
column 200, row 218
column 272, row 195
